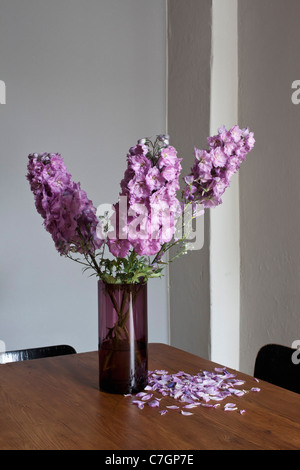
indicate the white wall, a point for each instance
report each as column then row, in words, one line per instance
column 85, row 78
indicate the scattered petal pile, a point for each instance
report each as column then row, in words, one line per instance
column 204, row 389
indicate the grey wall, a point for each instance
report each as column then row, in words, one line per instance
column 269, row 44
column 85, row 78
column 189, row 53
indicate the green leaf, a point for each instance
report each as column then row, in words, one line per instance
column 109, row 279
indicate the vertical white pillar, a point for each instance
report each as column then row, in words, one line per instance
column 189, row 56
column 224, row 220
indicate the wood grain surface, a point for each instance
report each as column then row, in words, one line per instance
column 54, row 403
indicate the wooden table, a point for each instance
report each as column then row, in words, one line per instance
column 54, row 403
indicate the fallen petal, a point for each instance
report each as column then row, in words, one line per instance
column 230, row 407
column 237, row 393
column 147, row 397
column 153, row 403
column 139, row 403
column 220, row 369
column 238, row 382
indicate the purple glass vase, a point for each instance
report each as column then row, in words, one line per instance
column 123, row 337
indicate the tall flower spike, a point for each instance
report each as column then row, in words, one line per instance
column 151, row 179
column 69, row 216
column 213, row 168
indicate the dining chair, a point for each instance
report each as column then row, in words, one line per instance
column 278, row 365
column 35, row 353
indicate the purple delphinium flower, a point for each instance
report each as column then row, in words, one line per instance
column 145, row 220
column 214, row 168
column 151, row 181
column 69, row 216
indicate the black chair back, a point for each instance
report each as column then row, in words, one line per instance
column 35, row 353
column 278, row 365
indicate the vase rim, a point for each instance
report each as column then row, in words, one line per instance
column 124, row 284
